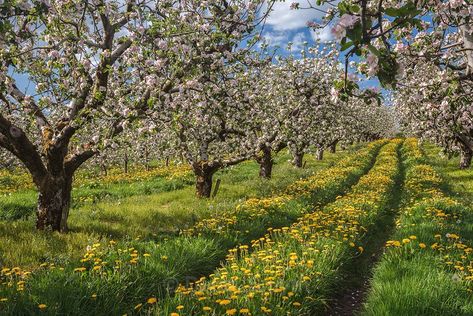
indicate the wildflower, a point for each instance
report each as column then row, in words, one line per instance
column 146, row 255
column 42, row 306
column 297, row 304
column 406, row 241
column 174, row 314
column 412, row 237
column 81, row 269
column 3, row 299
column 94, row 296
column 180, row 307
column 244, row 311
column 207, row 309
column 225, row 302
column 231, row 311
column 152, row 300
column 422, row 245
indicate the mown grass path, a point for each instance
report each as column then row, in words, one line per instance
column 354, row 280
column 355, row 276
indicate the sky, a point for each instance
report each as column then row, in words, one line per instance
column 284, row 25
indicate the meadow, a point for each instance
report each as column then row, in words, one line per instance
column 380, row 228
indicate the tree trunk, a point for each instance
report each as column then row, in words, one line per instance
column 53, row 204
column 320, row 153
column 465, row 158
column 126, row 162
column 297, row 159
column 333, row 147
column 266, row 163
column 204, row 173
column 104, row 169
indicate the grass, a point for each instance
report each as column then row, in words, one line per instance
column 291, row 270
column 158, row 266
column 427, row 266
column 457, row 182
column 151, row 216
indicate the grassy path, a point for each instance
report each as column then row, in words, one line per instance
column 427, row 267
column 355, row 276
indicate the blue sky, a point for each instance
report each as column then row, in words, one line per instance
column 285, row 25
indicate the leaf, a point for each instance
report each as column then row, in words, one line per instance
column 392, row 12
column 346, row 46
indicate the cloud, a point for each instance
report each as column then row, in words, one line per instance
column 276, row 38
column 324, row 35
column 298, row 42
column 282, row 18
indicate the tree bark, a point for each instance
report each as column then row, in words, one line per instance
column 333, row 147
column 297, row 158
column 466, row 156
column 204, row 173
column 266, row 163
column 53, row 203
column 320, row 153
column 125, row 162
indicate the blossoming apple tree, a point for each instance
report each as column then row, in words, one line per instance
column 73, row 73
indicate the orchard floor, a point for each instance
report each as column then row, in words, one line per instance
column 147, row 219
column 144, row 216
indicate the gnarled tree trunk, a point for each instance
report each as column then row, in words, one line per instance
column 54, row 202
column 297, row 158
column 333, row 147
column 204, row 172
column 320, row 153
column 466, row 156
column 265, row 162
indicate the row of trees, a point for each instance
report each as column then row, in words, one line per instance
column 174, row 77
column 422, row 51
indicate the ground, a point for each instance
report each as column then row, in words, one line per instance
column 353, row 234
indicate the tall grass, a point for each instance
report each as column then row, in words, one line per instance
column 427, row 266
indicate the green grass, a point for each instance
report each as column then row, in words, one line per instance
column 410, row 279
column 145, row 216
column 302, row 262
column 458, row 183
column 171, row 261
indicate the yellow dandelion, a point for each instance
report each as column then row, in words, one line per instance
column 42, row 306
column 152, row 300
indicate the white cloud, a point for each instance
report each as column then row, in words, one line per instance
column 324, row 35
column 298, row 42
column 282, row 18
column 276, row 38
